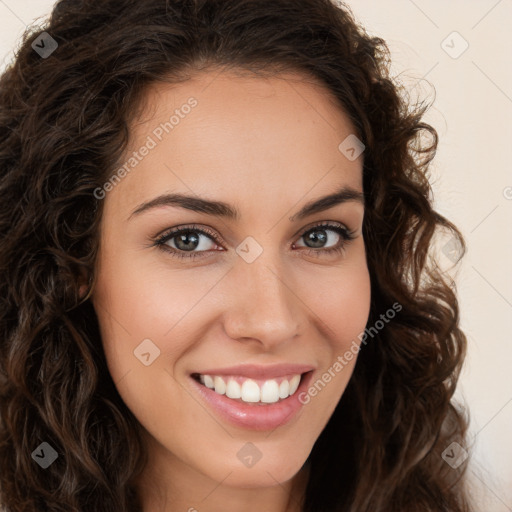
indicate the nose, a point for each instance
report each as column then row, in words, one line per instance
column 265, row 304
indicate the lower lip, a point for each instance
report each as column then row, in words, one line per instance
column 255, row 416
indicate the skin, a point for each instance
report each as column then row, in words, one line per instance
column 266, row 146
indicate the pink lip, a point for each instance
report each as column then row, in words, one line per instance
column 254, row 416
column 253, row 371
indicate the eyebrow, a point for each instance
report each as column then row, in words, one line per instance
column 224, row 210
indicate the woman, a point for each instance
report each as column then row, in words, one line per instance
column 217, row 284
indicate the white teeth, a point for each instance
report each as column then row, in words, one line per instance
column 250, row 391
column 294, row 384
column 208, row 381
column 233, row 389
column 220, row 385
column 269, row 392
column 284, row 389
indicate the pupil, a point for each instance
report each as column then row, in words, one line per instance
column 186, row 239
column 318, row 240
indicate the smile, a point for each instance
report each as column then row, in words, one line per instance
column 252, row 390
column 253, row 403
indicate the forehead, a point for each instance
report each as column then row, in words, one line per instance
column 240, row 133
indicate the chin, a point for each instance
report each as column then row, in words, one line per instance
column 272, row 469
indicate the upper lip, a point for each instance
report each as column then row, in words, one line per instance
column 253, row 371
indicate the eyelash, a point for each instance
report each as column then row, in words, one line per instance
column 346, row 235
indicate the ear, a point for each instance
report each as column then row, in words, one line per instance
column 83, row 284
column 82, row 290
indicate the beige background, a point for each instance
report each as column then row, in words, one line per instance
column 472, row 184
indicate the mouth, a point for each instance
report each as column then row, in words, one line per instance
column 251, row 391
column 253, row 403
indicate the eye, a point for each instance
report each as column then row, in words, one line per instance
column 186, row 240
column 182, row 242
column 318, row 236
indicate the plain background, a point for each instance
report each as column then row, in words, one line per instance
column 472, row 181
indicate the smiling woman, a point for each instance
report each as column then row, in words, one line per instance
column 216, row 280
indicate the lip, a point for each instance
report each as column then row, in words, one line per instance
column 254, row 416
column 253, row 371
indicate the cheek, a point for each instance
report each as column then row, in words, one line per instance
column 139, row 301
column 142, row 312
column 342, row 301
column 342, row 306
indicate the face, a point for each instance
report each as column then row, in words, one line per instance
column 240, row 296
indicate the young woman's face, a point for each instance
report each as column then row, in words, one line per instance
column 248, row 300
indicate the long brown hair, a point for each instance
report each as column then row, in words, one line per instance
column 64, row 124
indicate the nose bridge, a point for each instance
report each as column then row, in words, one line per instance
column 264, row 305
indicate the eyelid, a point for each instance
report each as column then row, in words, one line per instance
column 330, row 223
column 171, row 232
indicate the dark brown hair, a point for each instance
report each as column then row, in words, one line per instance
column 64, row 124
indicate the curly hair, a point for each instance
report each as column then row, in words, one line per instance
column 64, row 125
